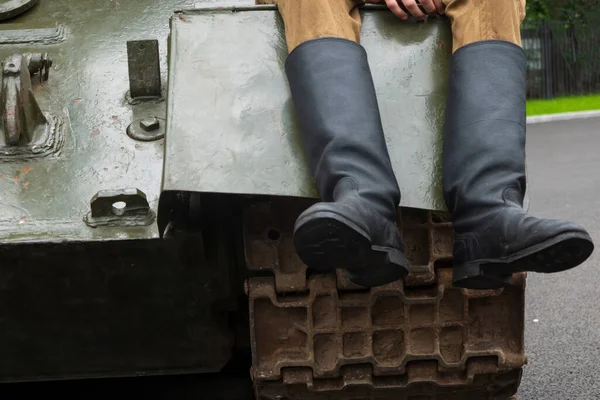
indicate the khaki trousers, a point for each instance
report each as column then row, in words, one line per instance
column 472, row 20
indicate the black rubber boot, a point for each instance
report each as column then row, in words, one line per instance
column 354, row 228
column 484, row 175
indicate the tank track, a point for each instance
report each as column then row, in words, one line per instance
column 319, row 337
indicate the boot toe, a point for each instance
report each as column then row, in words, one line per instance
column 537, row 245
column 562, row 252
column 554, row 246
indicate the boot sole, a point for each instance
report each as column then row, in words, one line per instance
column 561, row 253
column 328, row 241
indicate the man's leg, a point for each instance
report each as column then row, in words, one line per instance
column 484, row 154
column 354, row 227
column 312, row 19
column 478, row 20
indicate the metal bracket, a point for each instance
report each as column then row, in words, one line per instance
column 144, row 71
column 39, row 63
column 22, row 115
column 25, row 130
column 124, row 207
column 145, row 88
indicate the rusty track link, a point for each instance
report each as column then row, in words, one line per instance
column 321, row 337
column 497, row 386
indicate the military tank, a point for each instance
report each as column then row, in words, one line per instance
column 150, row 175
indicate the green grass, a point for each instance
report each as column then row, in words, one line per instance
column 563, row 105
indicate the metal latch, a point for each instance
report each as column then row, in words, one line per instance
column 124, row 207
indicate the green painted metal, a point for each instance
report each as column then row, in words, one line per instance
column 231, row 127
column 47, row 199
column 12, row 8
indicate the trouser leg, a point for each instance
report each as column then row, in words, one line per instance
column 478, row 20
column 312, row 19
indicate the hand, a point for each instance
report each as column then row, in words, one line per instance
column 431, row 6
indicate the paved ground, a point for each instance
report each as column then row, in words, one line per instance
column 563, row 316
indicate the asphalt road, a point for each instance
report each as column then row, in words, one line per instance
column 563, row 313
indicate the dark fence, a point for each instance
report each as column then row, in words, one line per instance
column 563, row 59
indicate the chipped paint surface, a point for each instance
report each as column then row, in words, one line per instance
column 86, row 89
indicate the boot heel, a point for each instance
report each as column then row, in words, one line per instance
column 386, row 265
column 388, row 256
column 474, row 276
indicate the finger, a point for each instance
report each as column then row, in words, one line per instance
column 440, row 6
column 395, row 8
column 413, row 8
column 429, row 6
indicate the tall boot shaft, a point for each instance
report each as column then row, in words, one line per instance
column 338, row 114
column 484, row 138
column 354, row 227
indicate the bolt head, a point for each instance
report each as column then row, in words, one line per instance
column 150, row 124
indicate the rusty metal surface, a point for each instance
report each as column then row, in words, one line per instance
column 360, row 385
column 322, row 334
column 388, row 328
column 231, row 127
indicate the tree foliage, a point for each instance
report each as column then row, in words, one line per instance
column 564, row 10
